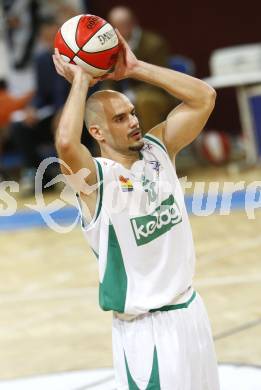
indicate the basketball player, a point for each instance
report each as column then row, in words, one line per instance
column 139, row 229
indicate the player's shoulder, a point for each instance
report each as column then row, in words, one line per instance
column 155, row 136
column 154, row 142
column 104, row 162
column 104, row 166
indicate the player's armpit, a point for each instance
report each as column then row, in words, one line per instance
column 158, row 131
column 79, row 168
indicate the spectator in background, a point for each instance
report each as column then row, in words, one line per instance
column 22, row 23
column 152, row 104
column 34, row 128
column 22, row 17
column 63, row 9
column 9, row 104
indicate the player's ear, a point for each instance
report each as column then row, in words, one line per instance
column 96, row 132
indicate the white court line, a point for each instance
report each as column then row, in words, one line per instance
column 239, row 377
column 101, row 379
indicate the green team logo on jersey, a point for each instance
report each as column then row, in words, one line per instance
column 151, row 226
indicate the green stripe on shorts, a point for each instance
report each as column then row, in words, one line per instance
column 176, row 307
column 154, row 380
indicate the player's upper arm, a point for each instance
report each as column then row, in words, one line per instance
column 183, row 125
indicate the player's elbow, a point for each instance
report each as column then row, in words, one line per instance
column 209, row 98
column 212, row 95
column 63, row 144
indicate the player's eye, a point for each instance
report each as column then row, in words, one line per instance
column 120, row 118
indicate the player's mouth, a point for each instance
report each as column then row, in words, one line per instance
column 136, row 134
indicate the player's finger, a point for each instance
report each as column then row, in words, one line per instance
column 121, row 39
column 62, row 64
column 58, row 63
column 121, row 56
column 59, row 60
column 58, row 57
column 58, row 67
column 55, row 63
column 60, row 71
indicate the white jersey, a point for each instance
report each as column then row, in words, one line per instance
column 141, row 234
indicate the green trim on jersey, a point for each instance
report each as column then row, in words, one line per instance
column 176, row 307
column 113, row 289
column 154, row 381
column 98, row 206
column 100, row 190
column 95, row 253
column 156, row 141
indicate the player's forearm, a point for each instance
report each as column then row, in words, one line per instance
column 71, row 122
column 188, row 89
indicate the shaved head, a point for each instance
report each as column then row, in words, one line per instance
column 95, row 112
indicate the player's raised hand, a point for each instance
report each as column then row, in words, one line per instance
column 69, row 71
column 126, row 62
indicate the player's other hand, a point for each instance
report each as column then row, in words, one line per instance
column 125, row 64
column 69, row 71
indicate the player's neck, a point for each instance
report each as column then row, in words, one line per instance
column 127, row 160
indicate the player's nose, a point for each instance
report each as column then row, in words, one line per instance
column 134, row 122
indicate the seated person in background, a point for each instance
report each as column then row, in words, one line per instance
column 152, row 104
column 35, row 127
column 21, row 19
column 8, row 105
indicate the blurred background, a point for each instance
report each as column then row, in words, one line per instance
column 53, row 335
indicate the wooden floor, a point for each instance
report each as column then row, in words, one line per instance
column 50, row 320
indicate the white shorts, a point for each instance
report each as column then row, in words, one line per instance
column 165, row 350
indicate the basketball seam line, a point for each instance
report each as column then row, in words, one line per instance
column 75, row 34
column 80, row 47
column 65, row 44
column 87, row 63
